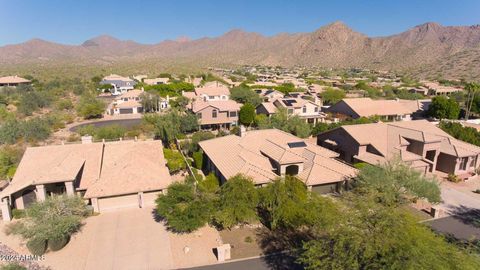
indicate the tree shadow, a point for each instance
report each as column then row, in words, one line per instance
column 157, row 217
column 467, row 215
column 281, row 247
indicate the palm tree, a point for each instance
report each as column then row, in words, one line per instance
column 471, row 89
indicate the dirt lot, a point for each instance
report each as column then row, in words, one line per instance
column 243, row 241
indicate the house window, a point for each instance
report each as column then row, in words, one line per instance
column 233, row 114
column 316, row 109
column 463, row 164
column 214, row 114
column 199, row 115
column 211, row 97
column 304, row 109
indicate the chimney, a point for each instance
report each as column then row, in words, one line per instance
column 243, row 131
column 87, row 139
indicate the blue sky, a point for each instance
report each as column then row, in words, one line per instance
column 72, row 22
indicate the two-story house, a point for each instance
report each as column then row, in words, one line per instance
column 419, row 143
column 216, row 114
column 305, row 109
column 131, row 103
column 119, row 84
column 212, row 91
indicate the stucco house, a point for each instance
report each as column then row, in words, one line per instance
column 156, row 81
column 267, row 154
column 305, row 109
column 119, row 84
column 269, row 94
column 130, row 103
column 109, row 176
column 419, row 143
column 212, row 91
column 13, row 81
column 391, row 110
column 216, row 114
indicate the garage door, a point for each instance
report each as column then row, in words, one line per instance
column 126, row 111
column 119, row 202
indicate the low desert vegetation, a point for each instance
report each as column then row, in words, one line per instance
column 49, row 224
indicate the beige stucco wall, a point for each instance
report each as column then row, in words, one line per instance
column 119, row 202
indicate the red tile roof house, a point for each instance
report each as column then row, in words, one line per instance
column 267, row 154
column 391, row 110
column 216, row 114
column 303, row 108
column 110, row 176
column 419, row 143
column 212, row 91
column 13, row 81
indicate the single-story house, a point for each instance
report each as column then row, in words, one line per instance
column 109, row 175
column 13, row 81
column 211, row 91
column 267, row 154
column 156, row 81
column 419, row 143
column 367, row 107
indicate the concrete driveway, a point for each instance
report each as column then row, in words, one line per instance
column 129, row 239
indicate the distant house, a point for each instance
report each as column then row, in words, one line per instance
column 269, row 94
column 119, row 84
column 391, row 110
column 435, row 89
column 267, row 154
column 419, row 143
column 110, row 176
column 212, row 91
column 13, row 81
column 216, row 114
column 156, row 81
column 130, row 103
column 303, row 108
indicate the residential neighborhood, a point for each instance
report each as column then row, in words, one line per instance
column 206, row 136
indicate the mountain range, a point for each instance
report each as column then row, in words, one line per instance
column 426, row 50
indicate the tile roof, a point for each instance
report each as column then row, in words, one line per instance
column 13, row 79
column 221, row 105
column 253, row 154
column 213, row 89
column 386, row 138
column 367, row 107
column 109, row 169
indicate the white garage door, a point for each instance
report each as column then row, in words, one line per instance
column 119, row 202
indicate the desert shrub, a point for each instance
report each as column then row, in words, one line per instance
column 54, row 218
column 18, row 213
column 198, row 159
column 90, row 107
column 13, row 266
column 175, row 161
column 58, row 242
column 209, row 185
column 37, row 246
column 453, row 178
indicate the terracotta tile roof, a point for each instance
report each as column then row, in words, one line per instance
column 109, row 169
column 221, row 105
column 131, row 94
column 367, row 107
column 131, row 167
column 212, row 89
column 387, row 137
column 253, row 153
column 129, row 104
column 115, row 77
column 13, row 79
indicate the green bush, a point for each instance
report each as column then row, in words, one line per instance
column 175, row 161
column 13, row 266
column 58, row 243
column 37, row 246
column 198, row 159
column 18, row 213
